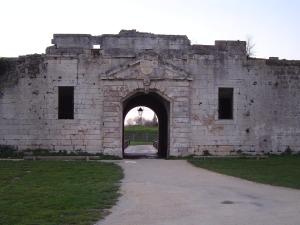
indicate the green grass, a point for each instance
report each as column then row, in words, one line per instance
column 140, row 143
column 141, row 135
column 276, row 170
column 56, row 193
column 139, row 128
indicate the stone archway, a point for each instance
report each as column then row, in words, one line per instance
column 157, row 84
column 161, row 107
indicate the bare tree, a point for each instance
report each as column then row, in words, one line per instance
column 154, row 120
column 250, row 46
column 130, row 122
column 138, row 120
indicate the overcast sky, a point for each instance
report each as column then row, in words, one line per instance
column 27, row 25
column 147, row 113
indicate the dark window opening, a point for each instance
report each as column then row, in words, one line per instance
column 225, row 103
column 65, row 102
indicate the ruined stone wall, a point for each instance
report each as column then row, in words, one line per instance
column 29, row 106
column 266, row 107
column 22, row 104
column 273, row 104
column 265, row 110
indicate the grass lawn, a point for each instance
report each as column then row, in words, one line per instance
column 56, row 192
column 140, row 143
column 140, row 128
column 141, row 135
column 275, row 170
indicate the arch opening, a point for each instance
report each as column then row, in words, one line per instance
column 161, row 108
column 141, row 132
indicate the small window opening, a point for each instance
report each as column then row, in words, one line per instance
column 96, row 46
column 225, row 103
column 65, row 102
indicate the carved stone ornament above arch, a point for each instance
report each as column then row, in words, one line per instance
column 147, row 70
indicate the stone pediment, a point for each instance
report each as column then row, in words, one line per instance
column 149, row 69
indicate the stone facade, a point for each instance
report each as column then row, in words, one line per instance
column 266, row 103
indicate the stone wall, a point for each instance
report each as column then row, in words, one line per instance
column 266, row 109
column 266, row 106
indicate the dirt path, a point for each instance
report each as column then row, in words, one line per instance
column 141, row 150
column 173, row 192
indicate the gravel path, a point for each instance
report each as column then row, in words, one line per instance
column 173, row 192
column 141, row 150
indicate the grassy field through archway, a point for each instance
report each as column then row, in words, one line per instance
column 141, row 134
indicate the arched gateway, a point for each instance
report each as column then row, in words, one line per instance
column 152, row 82
column 161, row 107
column 209, row 98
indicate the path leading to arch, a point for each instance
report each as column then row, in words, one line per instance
column 173, row 192
column 141, row 150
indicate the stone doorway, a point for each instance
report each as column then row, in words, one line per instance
column 161, row 107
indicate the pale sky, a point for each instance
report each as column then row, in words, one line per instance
column 27, row 26
column 147, row 113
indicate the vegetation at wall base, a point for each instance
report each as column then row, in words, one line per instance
column 11, row 152
column 57, row 193
column 274, row 170
column 188, row 157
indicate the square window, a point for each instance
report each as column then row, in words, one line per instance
column 65, row 102
column 225, row 103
